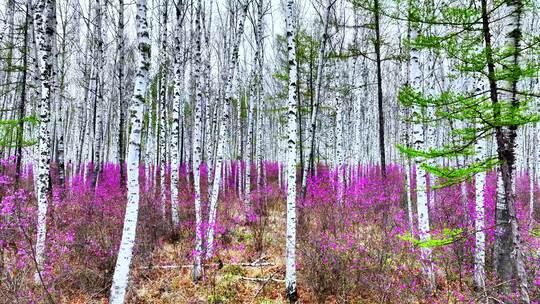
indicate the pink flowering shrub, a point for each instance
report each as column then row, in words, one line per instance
column 360, row 249
column 356, row 248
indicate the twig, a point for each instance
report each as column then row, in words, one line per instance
column 263, row 279
column 264, row 264
column 262, row 287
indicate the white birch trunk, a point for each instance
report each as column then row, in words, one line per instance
column 44, row 35
column 418, row 131
column 222, row 134
column 178, row 105
column 339, row 144
column 247, row 153
column 162, row 140
column 290, row 268
column 197, row 148
column 479, row 222
column 123, row 262
column 318, row 84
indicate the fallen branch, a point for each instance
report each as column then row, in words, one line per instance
column 263, row 280
column 264, row 264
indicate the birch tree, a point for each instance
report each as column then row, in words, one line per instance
column 317, row 92
column 125, row 253
column 44, row 35
column 162, row 103
column 418, row 135
column 121, row 107
column 222, row 131
column 255, row 92
column 479, row 222
column 197, row 149
column 178, row 104
column 290, row 250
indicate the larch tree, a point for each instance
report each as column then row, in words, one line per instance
column 508, row 246
column 499, row 110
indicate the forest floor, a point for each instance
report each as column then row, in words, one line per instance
column 237, row 274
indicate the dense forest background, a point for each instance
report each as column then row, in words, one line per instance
column 263, row 151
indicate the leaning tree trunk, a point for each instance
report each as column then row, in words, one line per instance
column 318, row 84
column 222, row 133
column 44, row 36
column 123, row 262
column 290, row 250
column 257, row 89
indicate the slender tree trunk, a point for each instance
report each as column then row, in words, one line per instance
column 222, row 133
column 123, row 262
column 22, row 102
column 339, row 140
column 290, row 269
column 379, row 88
column 178, row 105
column 59, row 90
column 121, row 106
column 197, row 149
column 479, row 222
column 418, row 133
column 44, row 36
column 318, row 85
column 98, row 93
column 162, row 132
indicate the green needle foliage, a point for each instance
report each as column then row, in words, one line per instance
column 449, row 236
column 11, row 129
column 458, row 39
